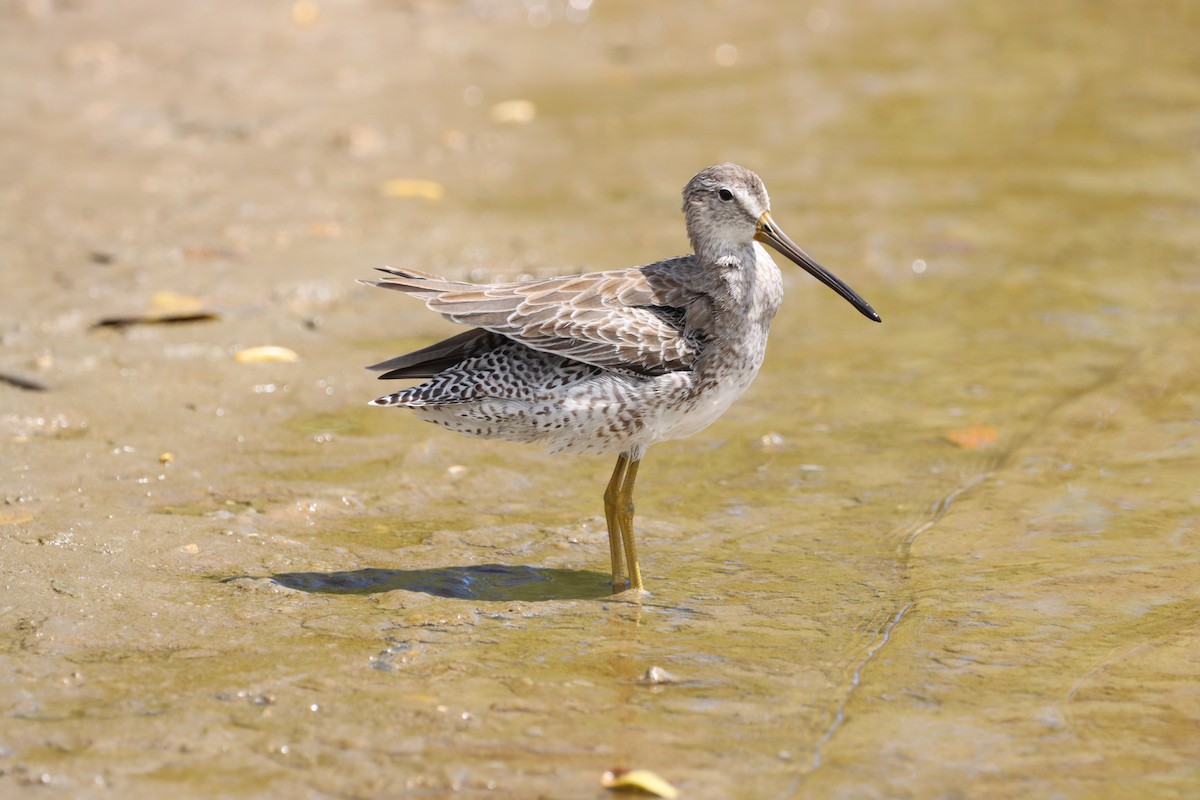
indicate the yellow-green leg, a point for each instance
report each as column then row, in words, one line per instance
column 625, row 518
column 616, row 536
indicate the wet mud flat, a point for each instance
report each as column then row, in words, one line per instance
column 953, row 554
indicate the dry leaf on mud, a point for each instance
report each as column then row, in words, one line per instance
column 513, row 112
column 973, row 437
column 165, row 308
column 305, row 13
column 413, row 187
column 268, row 352
column 22, row 382
column 12, row 516
column 638, row 780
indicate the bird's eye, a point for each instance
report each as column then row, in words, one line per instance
column 725, row 195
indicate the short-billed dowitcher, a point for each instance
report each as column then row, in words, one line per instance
column 611, row 361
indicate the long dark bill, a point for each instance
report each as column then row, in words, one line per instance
column 769, row 233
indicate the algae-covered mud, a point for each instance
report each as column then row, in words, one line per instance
column 952, row 555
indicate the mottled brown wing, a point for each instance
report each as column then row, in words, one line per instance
column 628, row 319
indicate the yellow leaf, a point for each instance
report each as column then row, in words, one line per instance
column 973, row 437
column 412, row 187
column 513, row 112
column 172, row 303
column 165, row 308
column 639, row 780
column 269, row 352
column 11, row 516
column 305, row 13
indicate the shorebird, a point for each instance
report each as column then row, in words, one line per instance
column 611, row 361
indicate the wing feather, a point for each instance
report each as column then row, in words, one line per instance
column 629, row 319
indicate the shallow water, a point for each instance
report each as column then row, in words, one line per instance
column 952, row 555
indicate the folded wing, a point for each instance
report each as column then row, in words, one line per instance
column 630, row 319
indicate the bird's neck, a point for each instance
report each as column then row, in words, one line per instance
column 712, row 246
column 750, row 281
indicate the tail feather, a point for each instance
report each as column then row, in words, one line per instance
column 410, row 273
column 414, row 281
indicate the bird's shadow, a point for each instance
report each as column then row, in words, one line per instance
column 486, row 582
